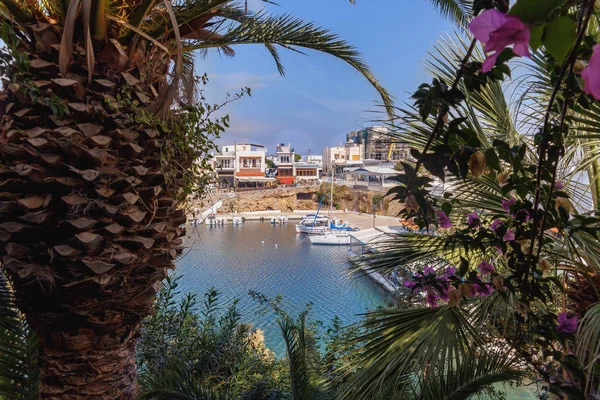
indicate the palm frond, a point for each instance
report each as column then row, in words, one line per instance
column 291, row 32
column 400, row 343
column 457, row 11
column 471, row 376
column 587, row 346
column 19, row 371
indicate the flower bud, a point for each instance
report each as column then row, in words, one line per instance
column 579, row 66
column 411, row 204
column 454, row 297
column 564, row 203
column 544, row 265
column 498, row 283
column 477, row 164
column 503, row 178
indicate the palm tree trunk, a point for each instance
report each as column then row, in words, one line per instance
column 89, row 220
column 594, row 178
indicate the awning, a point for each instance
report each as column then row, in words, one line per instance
column 255, row 179
column 376, row 171
column 286, row 180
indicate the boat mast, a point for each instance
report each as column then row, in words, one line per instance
column 331, row 196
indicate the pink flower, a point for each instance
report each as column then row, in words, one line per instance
column 497, row 223
column 507, row 203
column 486, row 267
column 450, row 271
column 443, row 220
column 473, row 219
column 509, row 235
column 409, row 284
column 431, row 299
column 591, row 74
column 483, row 289
column 559, row 185
column 428, row 271
column 566, row 324
column 497, row 31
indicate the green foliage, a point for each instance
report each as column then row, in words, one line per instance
column 270, row 164
column 19, row 371
column 297, row 157
column 208, row 351
column 340, row 193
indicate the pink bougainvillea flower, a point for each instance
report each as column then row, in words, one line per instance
column 507, row 203
column 566, row 324
column 473, row 219
column 443, row 220
column 431, row 299
column 428, row 271
column 559, row 185
column 450, row 271
column 497, row 223
column 409, row 284
column 497, row 31
column 509, row 235
column 483, row 289
column 486, row 267
column 591, row 74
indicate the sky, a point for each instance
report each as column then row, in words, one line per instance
column 321, row 98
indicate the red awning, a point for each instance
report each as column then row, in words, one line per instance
column 286, row 180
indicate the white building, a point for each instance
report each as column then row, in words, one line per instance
column 241, row 163
column 340, row 157
column 285, row 164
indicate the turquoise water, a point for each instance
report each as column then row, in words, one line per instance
column 235, row 260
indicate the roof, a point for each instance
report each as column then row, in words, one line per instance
column 377, row 170
column 308, row 165
column 373, row 235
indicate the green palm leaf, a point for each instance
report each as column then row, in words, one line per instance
column 19, row 372
column 402, row 344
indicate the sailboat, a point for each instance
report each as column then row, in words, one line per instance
column 337, row 235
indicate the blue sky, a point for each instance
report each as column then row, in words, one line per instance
column 321, row 98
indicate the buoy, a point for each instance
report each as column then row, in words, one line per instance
column 263, row 242
column 275, row 245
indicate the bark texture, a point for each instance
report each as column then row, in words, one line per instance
column 89, row 218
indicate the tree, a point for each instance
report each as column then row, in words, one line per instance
column 513, row 268
column 297, row 157
column 101, row 124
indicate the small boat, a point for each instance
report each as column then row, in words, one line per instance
column 237, row 220
column 273, row 220
column 311, row 230
column 283, row 219
column 331, row 239
column 339, row 226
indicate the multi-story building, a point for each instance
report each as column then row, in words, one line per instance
column 340, row 157
column 286, row 171
column 377, row 144
column 240, row 163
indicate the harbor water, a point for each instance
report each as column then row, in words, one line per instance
column 274, row 260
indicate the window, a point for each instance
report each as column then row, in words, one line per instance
column 250, row 163
column 227, row 163
column 306, row 172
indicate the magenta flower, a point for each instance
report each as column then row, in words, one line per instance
column 497, row 223
column 507, row 203
column 443, row 220
column 409, row 284
column 450, row 271
column 559, row 185
column 428, row 271
column 483, row 289
column 485, row 267
column 591, row 74
column 497, row 31
column 566, row 324
column 473, row 219
column 431, row 299
column 509, row 235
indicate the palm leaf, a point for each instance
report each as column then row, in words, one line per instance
column 457, row 11
column 400, row 343
column 19, row 372
column 587, row 346
column 471, row 376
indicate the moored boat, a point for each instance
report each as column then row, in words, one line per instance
column 331, row 239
